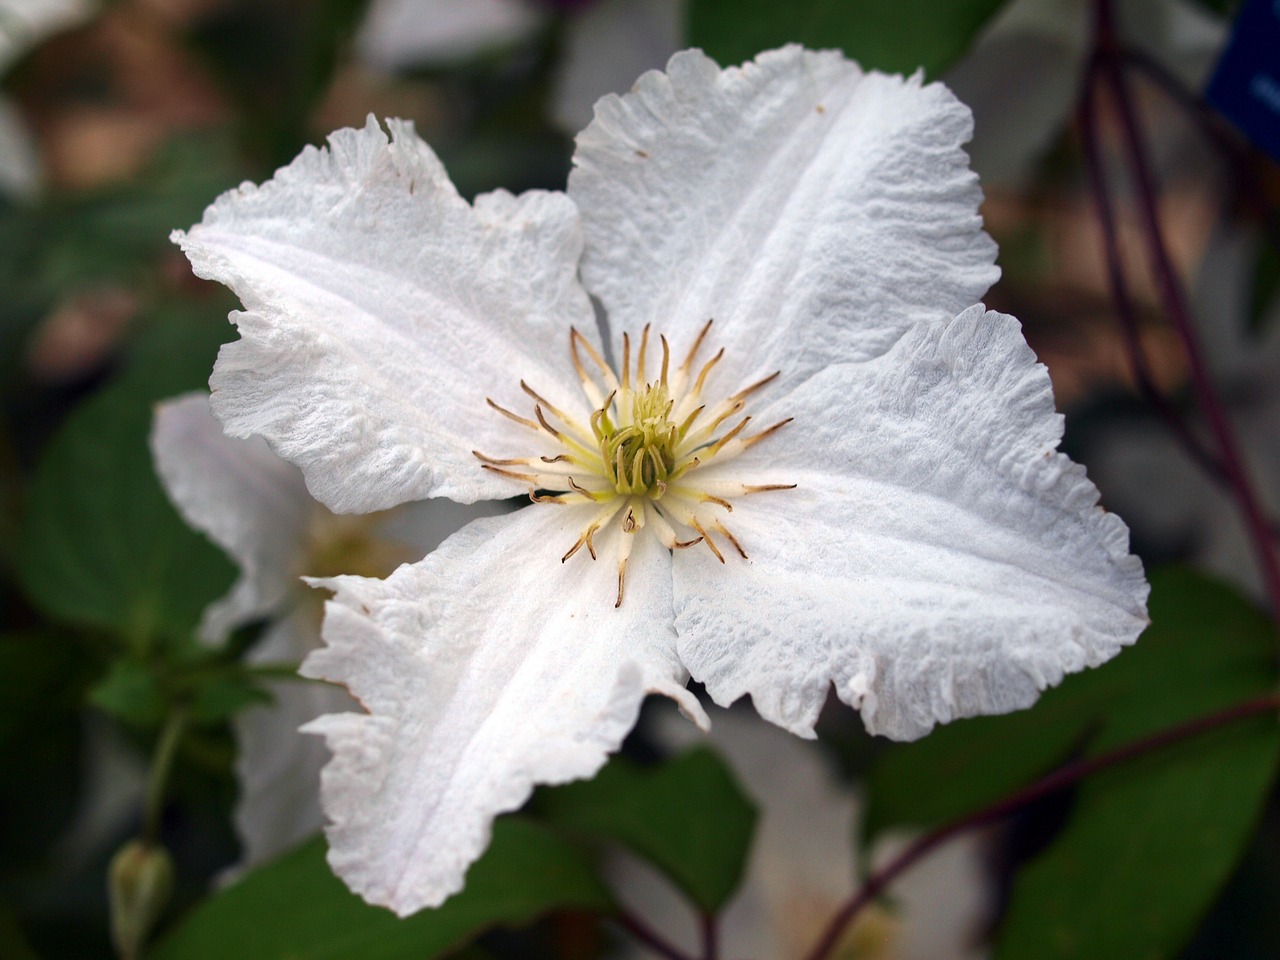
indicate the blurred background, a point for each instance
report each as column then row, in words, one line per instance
column 120, row 121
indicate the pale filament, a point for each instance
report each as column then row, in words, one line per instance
column 639, row 456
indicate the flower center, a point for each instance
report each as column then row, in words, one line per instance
column 636, row 458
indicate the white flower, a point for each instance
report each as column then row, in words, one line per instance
column 932, row 555
column 803, row 865
column 607, row 45
column 256, row 507
column 23, row 24
column 1022, row 76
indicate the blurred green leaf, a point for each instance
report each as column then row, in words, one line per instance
column 42, row 678
column 1265, row 284
column 1150, row 842
column 689, row 817
column 897, row 36
column 296, row 908
column 131, row 692
column 100, row 543
column 978, row 760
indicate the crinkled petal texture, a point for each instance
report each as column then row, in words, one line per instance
column 381, row 310
column 816, row 210
column 486, row 668
column 246, row 499
column 938, row 558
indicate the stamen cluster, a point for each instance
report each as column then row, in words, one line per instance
column 637, row 455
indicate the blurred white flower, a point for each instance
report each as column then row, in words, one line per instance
column 804, row 865
column 1022, row 76
column 23, row 24
column 607, row 45
column 256, row 507
column 906, row 531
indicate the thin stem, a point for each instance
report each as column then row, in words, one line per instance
column 1064, row 776
column 1217, row 130
column 1106, row 63
column 158, row 777
column 710, row 937
column 1126, row 310
column 643, row 933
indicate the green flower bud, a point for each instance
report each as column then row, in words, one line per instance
column 139, row 882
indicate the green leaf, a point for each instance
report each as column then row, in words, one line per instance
column 892, row 35
column 130, row 691
column 100, row 543
column 966, row 765
column 689, row 817
column 297, row 909
column 1265, row 284
column 1151, row 841
column 42, row 679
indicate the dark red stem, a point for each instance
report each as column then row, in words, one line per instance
column 1062, row 777
column 1106, row 63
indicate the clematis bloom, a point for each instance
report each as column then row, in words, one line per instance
column 255, row 506
column 910, row 536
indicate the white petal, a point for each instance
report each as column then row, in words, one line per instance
column 486, row 668
column 939, row 559
column 407, row 33
column 246, row 499
column 277, row 767
column 382, row 309
column 815, row 211
column 19, row 165
column 24, row 23
column 606, row 48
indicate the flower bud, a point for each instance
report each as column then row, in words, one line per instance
column 139, row 881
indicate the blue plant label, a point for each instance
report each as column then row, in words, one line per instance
column 1246, row 84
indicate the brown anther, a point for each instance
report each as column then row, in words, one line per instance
column 537, row 497
column 538, row 398
column 629, row 522
column 697, row 344
column 542, row 419
column 583, row 541
column 525, row 477
column 512, row 416
column 578, row 488
column 515, row 461
column 708, row 498
column 561, row 458
column 622, row 575
column 765, row 487
column 626, row 360
column 666, row 358
column 719, row 444
column 720, row 528
column 644, row 348
column 576, row 339
column 684, row 544
column 756, row 438
column 706, row 369
column 706, row 537
column 747, row 391
column 688, row 421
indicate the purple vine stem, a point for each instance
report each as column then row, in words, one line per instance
column 1106, row 68
column 1062, row 777
column 642, row 932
